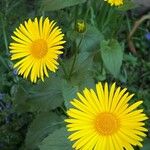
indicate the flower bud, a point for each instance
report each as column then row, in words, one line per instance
column 80, row 26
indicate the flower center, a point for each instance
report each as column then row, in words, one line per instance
column 106, row 123
column 39, row 48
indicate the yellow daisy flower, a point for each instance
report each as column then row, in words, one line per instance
column 104, row 120
column 36, row 47
column 115, row 2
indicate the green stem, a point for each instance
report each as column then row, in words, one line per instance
column 5, row 36
column 128, row 22
column 64, row 111
column 13, row 6
column 75, row 56
column 87, row 10
column 3, row 20
column 63, row 68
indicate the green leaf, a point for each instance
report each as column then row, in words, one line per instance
column 20, row 98
column 123, row 75
column 91, row 39
column 41, row 97
column 56, row 141
column 3, row 62
column 130, row 58
column 42, row 125
column 51, row 5
column 146, row 145
column 46, row 95
column 128, row 5
column 112, row 56
column 69, row 93
column 82, row 76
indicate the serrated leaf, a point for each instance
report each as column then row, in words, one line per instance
column 42, row 125
column 51, row 5
column 56, row 141
column 112, row 56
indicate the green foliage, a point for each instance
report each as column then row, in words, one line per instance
column 82, row 76
column 46, row 95
column 3, row 62
column 44, row 124
column 41, row 97
column 57, row 141
column 112, row 56
column 146, row 145
column 128, row 5
column 69, row 93
column 51, row 5
column 91, row 39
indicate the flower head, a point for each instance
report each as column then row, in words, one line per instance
column 36, row 47
column 115, row 2
column 104, row 120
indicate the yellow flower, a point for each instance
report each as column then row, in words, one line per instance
column 36, row 47
column 104, row 120
column 115, row 2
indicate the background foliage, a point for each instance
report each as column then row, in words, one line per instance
column 31, row 115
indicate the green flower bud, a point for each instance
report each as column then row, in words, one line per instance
column 80, row 26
